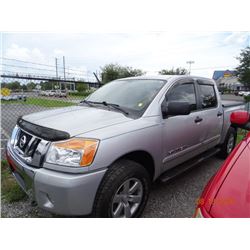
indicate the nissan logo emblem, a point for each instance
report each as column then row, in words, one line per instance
column 22, row 141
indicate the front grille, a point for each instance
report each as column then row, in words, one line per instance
column 28, row 147
column 26, row 143
column 23, row 140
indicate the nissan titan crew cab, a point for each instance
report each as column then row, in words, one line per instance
column 100, row 157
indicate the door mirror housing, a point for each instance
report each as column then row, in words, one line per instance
column 176, row 108
column 240, row 119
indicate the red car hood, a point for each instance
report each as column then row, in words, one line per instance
column 232, row 198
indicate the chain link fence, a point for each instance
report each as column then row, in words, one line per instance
column 22, row 96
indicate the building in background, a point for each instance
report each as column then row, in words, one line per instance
column 227, row 79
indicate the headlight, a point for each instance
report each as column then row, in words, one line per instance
column 76, row 152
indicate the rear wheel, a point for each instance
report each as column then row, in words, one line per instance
column 123, row 192
column 229, row 143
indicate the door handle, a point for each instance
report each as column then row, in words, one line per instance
column 219, row 114
column 198, row 119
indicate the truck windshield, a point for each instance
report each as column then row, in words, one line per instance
column 134, row 94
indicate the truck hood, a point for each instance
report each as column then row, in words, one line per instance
column 77, row 119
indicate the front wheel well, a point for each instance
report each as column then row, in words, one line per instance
column 143, row 158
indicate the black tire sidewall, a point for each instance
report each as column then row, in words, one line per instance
column 223, row 153
column 117, row 174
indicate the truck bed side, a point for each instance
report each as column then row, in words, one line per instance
column 228, row 108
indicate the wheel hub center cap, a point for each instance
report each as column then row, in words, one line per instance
column 125, row 198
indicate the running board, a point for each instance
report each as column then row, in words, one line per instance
column 175, row 171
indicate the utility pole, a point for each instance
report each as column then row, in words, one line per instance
column 96, row 77
column 64, row 67
column 56, row 69
column 190, row 62
column 64, row 74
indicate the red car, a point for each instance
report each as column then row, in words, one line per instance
column 227, row 194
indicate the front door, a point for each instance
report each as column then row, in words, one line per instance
column 183, row 134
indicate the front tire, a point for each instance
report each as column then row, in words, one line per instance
column 123, row 192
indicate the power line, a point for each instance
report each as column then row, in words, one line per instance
column 26, row 67
column 33, row 68
column 41, row 64
column 11, row 59
column 27, row 74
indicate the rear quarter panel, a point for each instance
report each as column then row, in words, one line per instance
column 226, row 118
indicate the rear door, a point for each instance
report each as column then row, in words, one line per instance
column 182, row 135
column 211, row 111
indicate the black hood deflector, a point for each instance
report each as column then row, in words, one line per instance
column 48, row 134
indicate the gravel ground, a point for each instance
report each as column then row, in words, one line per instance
column 175, row 199
column 22, row 209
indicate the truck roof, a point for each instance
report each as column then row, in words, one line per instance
column 163, row 77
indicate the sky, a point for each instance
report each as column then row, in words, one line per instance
column 149, row 51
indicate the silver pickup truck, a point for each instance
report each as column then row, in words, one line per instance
column 100, row 157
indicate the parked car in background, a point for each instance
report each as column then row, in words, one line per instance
column 228, row 193
column 47, row 93
column 55, row 93
column 246, row 93
column 101, row 157
column 41, row 93
column 6, row 98
column 14, row 97
column 241, row 93
column 52, row 93
column 61, row 93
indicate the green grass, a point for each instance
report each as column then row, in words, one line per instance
column 41, row 102
column 10, row 190
column 240, row 135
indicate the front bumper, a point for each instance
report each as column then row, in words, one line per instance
column 56, row 192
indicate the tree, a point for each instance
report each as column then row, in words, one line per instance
column 243, row 70
column 24, row 87
column 15, row 86
column 112, row 72
column 31, row 86
column 46, row 85
column 177, row 71
column 81, row 87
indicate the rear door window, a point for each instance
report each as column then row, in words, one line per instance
column 208, row 96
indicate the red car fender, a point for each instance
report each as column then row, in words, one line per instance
column 208, row 195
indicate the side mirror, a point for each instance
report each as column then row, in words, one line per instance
column 176, row 108
column 240, row 119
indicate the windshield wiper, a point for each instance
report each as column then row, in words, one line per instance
column 87, row 102
column 107, row 104
column 115, row 106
